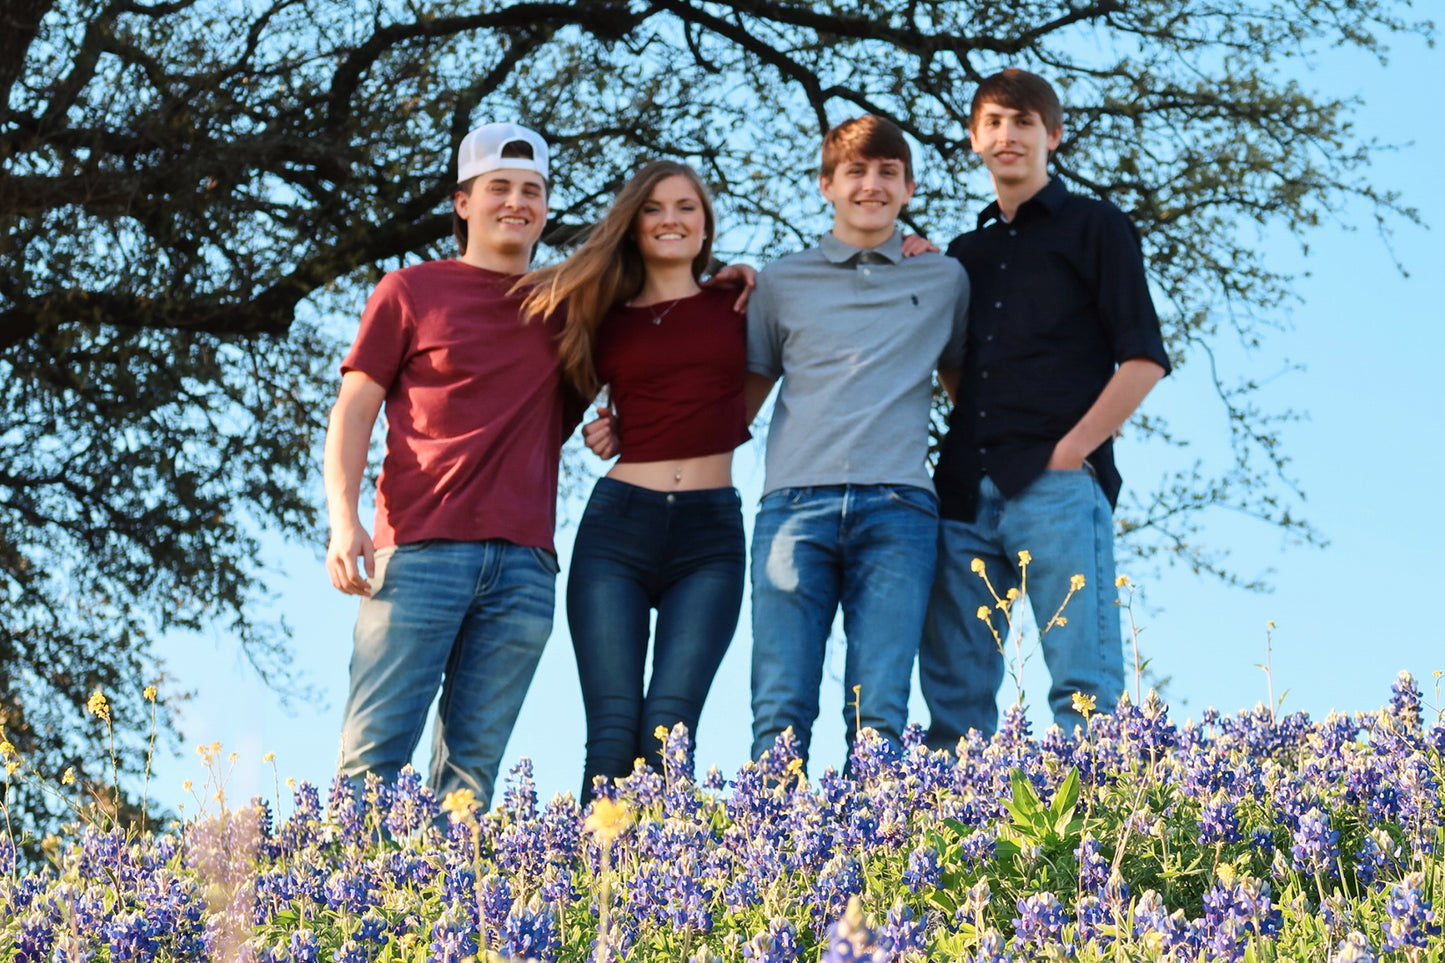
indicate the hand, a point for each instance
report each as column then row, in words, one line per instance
column 349, row 541
column 600, row 434
column 916, row 244
column 742, row 276
column 1062, row 459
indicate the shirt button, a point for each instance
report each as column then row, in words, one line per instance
column 988, row 337
column 998, row 304
column 982, row 413
column 983, row 451
column 983, row 375
column 671, row 499
column 1003, row 267
column 1013, row 232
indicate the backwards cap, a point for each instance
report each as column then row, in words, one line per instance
column 481, row 151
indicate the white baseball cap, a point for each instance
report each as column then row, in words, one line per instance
column 481, row 151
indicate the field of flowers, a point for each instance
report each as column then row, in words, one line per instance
column 1248, row 837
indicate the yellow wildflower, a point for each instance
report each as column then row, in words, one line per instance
column 12, row 766
column 660, row 732
column 1024, row 557
column 1269, row 625
column 608, row 819
column 976, row 566
column 291, row 784
column 1012, row 595
column 186, row 786
column 97, row 706
column 460, row 801
column 982, row 613
column 149, row 692
column 269, row 757
column 6, row 748
column 69, row 777
column 1084, row 704
column 1121, row 582
column 1076, row 583
column 1226, row 874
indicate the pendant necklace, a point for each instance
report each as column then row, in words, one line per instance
column 657, row 318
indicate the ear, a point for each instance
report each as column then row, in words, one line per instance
column 825, row 184
column 461, row 200
column 1056, row 136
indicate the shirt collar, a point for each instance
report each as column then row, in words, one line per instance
column 840, row 252
column 1050, row 197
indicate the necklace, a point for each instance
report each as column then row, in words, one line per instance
column 657, row 318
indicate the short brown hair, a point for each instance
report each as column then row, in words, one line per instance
column 1018, row 90
column 866, row 138
column 516, row 148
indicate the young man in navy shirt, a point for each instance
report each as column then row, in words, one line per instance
column 1063, row 345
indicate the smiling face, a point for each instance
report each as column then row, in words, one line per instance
column 671, row 225
column 1014, row 145
column 505, row 211
column 867, row 193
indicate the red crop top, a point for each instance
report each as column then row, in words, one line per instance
column 676, row 376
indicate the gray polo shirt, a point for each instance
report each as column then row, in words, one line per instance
column 855, row 336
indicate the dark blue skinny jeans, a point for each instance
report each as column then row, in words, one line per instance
column 680, row 553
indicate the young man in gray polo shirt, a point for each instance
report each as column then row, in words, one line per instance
column 848, row 515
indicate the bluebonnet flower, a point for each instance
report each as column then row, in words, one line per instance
column 1315, row 848
column 1354, row 948
column 978, row 847
column 677, row 759
column 714, row 781
column 872, row 756
column 991, row 949
column 451, row 940
column 850, row 940
column 530, row 932
column 902, row 934
column 413, row 804
column 923, row 870
column 344, row 809
column 350, row 951
column 1412, row 919
column 783, row 759
column 520, row 798
column 1093, row 868
column 776, row 944
column 835, row 884
column 1404, row 707
column 1040, row 922
column 302, row 829
column 1218, row 822
column 304, row 946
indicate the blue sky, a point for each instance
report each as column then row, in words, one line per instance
column 1347, row 617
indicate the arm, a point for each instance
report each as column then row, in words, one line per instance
column 1121, row 396
column 741, row 276
column 756, row 389
column 348, row 437
column 600, row 434
column 948, row 377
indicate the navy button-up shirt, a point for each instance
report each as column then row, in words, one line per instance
column 1058, row 299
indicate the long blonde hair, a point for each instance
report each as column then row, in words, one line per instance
column 605, row 271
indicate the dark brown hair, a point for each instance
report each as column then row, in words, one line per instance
column 866, row 138
column 1018, row 90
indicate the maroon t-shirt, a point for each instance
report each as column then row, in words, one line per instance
column 474, row 408
column 677, row 384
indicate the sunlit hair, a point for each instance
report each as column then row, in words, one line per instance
column 865, row 138
column 605, row 271
column 1018, row 90
column 515, row 148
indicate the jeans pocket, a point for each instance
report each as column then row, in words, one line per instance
column 913, row 497
column 546, row 560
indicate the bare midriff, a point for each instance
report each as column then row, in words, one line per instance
column 678, row 474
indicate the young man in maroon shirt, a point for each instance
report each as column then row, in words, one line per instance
column 457, row 584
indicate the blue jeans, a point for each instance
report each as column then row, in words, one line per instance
column 1065, row 523
column 470, row 618
column 869, row 548
column 680, row 553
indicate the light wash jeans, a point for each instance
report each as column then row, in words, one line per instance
column 468, row 618
column 1063, row 520
column 868, row 548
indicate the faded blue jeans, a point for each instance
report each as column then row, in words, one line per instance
column 868, row 548
column 468, row 618
column 1063, row 520
column 680, row 553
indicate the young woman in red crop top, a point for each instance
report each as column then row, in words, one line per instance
column 663, row 530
